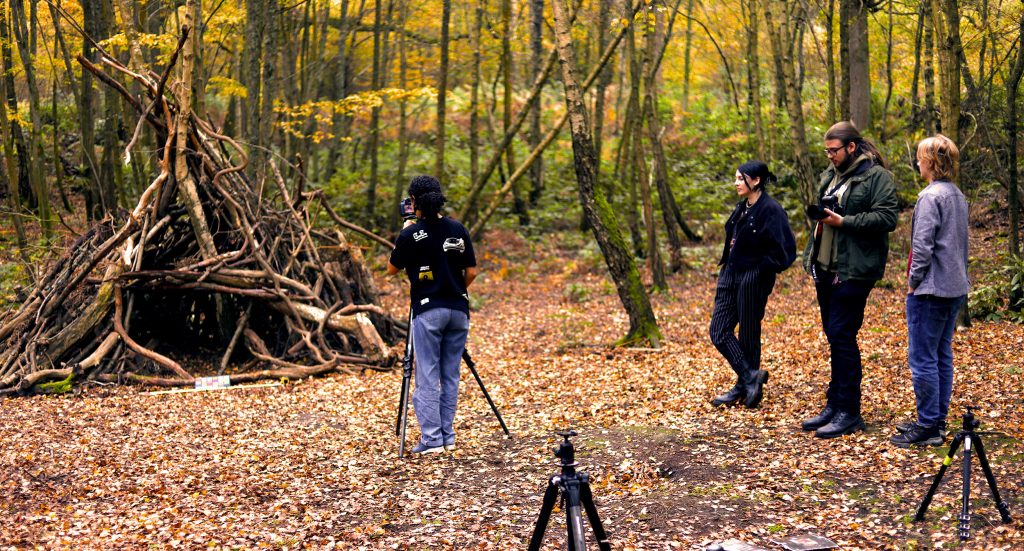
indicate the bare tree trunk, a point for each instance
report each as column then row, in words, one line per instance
column 643, row 327
column 1012, row 90
column 930, row 122
column 687, row 48
column 656, row 41
column 859, row 75
column 255, row 26
column 94, row 197
column 519, row 206
column 188, row 194
column 536, row 66
column 371, row 189
column 442, row 91
column 19, row 172
column 626, row 172
column 915, row 102
column 403, row 115
column 632, row 140
column 883, row 132
column 38, row 183
column 9, row 170
column 270, row 82
column 654, row 262
column 779, row 33
column 474, row 114
column 754, row 78
column 946, row 18
column 639, row 60
column 830, row 62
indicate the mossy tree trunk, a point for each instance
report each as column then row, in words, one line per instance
column 643, row 327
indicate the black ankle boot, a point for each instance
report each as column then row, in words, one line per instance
column 732, row 395
column 819, row 420
column 842, row 423
column 753, row 387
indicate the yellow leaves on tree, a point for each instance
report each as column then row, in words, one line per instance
column 313, row 119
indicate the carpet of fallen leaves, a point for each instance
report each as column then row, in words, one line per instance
column 314, row 464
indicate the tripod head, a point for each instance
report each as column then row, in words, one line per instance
column 567, row 453
column 969, row 422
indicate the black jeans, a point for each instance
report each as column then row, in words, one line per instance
column 842, row 314
column 740, row 299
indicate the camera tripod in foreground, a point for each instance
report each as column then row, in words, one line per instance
column 575, row 490
column 969, row 438
column 403, row 400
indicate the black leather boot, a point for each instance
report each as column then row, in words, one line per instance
column 753, row 387
column 734, row 394
column 842, row 423
column 819, row 420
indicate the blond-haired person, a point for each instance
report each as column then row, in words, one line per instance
column 937, row 287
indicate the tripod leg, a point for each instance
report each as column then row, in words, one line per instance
column 573, row 516
column 472, row 368
column 964, row 530
column 923, row 507
column 1004, row 509
column 595, row 522
column 403, row 420
column 401, row 405
column 550, row 495
column 403, row 400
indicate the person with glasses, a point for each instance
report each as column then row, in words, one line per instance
column 758, row 245
column 846, row 256
column 937, row 285
column 437, row 256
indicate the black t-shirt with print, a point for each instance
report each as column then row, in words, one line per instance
column 434, row 255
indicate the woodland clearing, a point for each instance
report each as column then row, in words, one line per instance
column 314, row 463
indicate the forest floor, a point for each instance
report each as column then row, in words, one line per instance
column 315, row 463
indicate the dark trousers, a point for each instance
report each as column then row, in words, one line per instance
column 842, row 314
column 740, row 299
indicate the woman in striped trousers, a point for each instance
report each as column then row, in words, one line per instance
column 758, row 245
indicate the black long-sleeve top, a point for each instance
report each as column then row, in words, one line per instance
column 764, row 239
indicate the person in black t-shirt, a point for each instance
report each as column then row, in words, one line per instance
column 437, row 256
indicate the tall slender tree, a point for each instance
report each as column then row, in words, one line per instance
column 39, row 185
column 1013, row 81
column 853, row 33
column 442, row 92
column 643, row 327
column 946, row 21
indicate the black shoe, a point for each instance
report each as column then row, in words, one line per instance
column 819, row 420
column 754, row 387
column 919, row 435
column 732, row 395
column 904, row 427
column 842, row 423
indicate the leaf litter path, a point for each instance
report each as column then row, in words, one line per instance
column 313, row 464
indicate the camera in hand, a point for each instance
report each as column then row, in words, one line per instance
column 406, row 209
column 830, row 202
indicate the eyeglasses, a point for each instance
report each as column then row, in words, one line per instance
column 831, row 151
column 917, row 166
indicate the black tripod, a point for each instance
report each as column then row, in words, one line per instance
column 968, row 437
column 403, row 400
column 575, row 490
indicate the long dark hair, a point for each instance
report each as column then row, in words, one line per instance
column 846, row 132
column 426, row 191
column 758, row 169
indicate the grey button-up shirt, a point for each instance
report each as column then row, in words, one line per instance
column 938, row 262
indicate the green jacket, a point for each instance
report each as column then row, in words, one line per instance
column 863, row 239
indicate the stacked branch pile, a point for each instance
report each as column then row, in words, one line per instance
column 206, row 261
